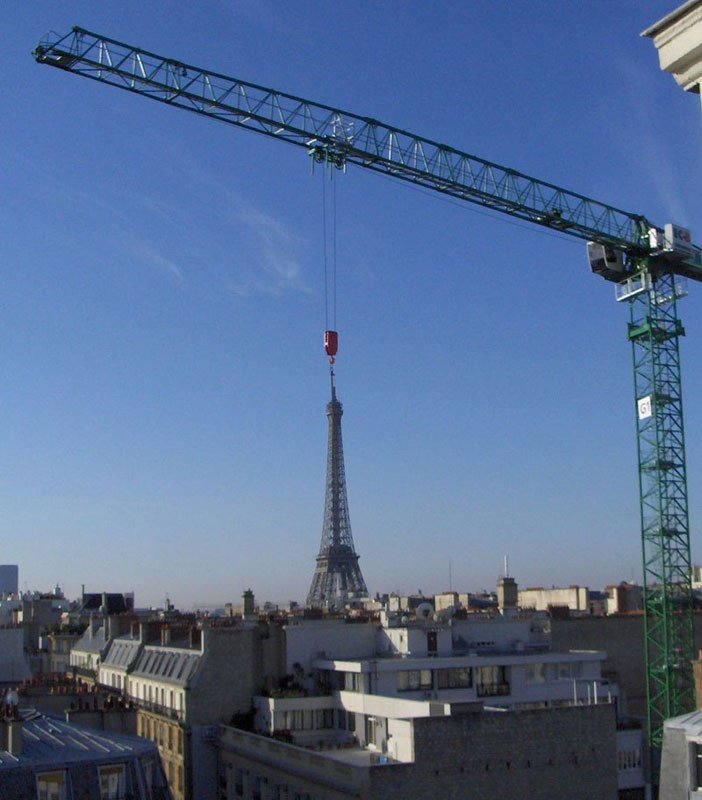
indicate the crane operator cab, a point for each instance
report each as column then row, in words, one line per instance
column 606, row 261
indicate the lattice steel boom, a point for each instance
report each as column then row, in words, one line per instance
column 645, row 261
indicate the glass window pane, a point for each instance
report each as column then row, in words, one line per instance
column 52, row 785
column 113, row 784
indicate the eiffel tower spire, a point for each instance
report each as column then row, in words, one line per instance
column 337, row 576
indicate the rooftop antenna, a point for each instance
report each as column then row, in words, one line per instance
column 506, row 567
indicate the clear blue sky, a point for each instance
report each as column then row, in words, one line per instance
column 164, row 384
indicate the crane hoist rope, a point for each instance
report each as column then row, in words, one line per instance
column 331, row 337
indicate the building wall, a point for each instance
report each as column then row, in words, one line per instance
column 334, row 637
column 488, row 632
column 13, row 662
column 675, row 765
column 59, row 646
column 170, row 738
column 697, row 675
column 623, row 640
column 534, row 755
column 121, row 720
column 231, row 672
column 574, row 597
column 450, row 599
column 9, row 579
column 414, row 640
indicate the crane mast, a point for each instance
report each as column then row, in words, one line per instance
column 648, row 265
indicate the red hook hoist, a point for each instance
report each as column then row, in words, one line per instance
column 331, row 344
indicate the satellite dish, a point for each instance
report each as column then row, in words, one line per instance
column 424, row 611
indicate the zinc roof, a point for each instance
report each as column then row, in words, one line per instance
column 167, row 664
column 49, row 741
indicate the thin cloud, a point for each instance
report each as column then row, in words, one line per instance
column 254, row 251
column 158, row 262
column 651, row 148
column 273, row 250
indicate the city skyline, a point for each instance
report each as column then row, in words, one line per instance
column 165, row 377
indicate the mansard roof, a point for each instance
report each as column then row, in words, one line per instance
column 167, row 664
column 123, row 652
column 91, row 642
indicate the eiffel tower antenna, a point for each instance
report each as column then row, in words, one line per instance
column 337, row 577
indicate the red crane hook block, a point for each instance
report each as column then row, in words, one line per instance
column 331, row 343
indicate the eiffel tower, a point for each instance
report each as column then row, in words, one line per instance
column 337, row 577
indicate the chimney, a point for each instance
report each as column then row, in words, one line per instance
column 507, row 594
column 92, row 625
column 14, row 736
column 166, row 635
column 194, row 635
column 249, row 605
column 11, row 725
column 143, row 632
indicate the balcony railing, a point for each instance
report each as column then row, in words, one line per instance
column 492, row 689
column 157, row 708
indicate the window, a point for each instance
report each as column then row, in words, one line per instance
column 534, row 673
column 113, row 782
column 566, row 670
column 413, row 680
column 154, row 778
column 629, row 759
column 432, row 642
column 353, row 682
column 455, row 678
column 491, row 681
column 295, row 721
column 370, row 730
column 52, row 785
column 324, row 718
column 698, row 766
column 238, row 782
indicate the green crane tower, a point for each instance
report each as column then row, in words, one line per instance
column 647, row 263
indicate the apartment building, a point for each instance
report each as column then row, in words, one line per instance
column 187, row 683
column 368, row 696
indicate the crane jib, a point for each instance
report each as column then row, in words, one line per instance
column 351, row 138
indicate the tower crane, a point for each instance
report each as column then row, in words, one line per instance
column 648, row 264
